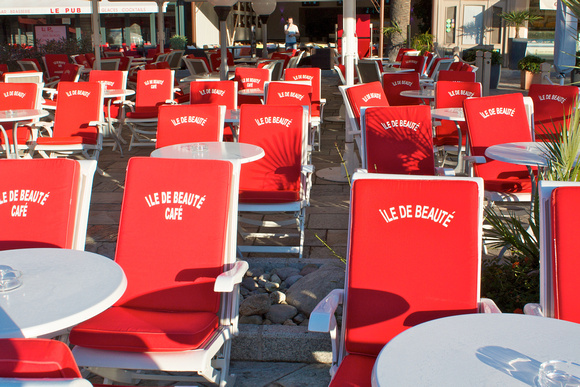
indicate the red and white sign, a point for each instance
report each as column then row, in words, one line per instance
column 72, row 7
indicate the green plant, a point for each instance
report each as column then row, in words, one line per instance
column 531, row 63
column 518, row 18
column 178, row 42
column 392, row 30
column 469, row 56
column 423, row 42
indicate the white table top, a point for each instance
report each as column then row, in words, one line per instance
column 60, row 288
column 115, row 93
column 522, row 153
column 423, row 93
column 476, row 350
column 21, row 114
column 451, row 114
column 244, row 153
column 252, row 92
column 201, row 77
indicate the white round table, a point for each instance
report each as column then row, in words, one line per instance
column 521, row 153
column 244, row 153
column 17, row 116
column 60, row 288
column 252, row 92
column 476, row 350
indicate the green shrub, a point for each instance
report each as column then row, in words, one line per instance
column 531, row 63
column 469, row 56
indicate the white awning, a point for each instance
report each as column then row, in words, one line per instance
column 72, row 7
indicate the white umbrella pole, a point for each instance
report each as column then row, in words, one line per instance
column 96, row 24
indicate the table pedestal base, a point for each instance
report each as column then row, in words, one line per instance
column 336, row 174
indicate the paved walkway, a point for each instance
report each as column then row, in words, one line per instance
column 327, row 219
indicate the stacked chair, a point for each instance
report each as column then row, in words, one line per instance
column 385, row 294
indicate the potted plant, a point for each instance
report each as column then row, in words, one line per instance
column 178, row 42
column 423, row 42
column 530, row 67
column 496, row 62
column 517, row 46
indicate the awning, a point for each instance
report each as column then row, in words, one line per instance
column 72, row 7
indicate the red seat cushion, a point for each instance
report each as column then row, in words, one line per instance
column 354, row 371
column 251, row 196
column 143, row 112
column 73, row 140
column 134, row 330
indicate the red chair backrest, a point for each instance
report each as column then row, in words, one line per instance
column 178, row 124
column 170, row 209
column 37, row 359
column 551, row 104
column 395, row 83
column 428, row 58
column 434, row 65
column 450, row 94
column 55, row 63
column 124, row 63
column 70, row 72
column 90, row 58
column 417, row 63
column 366, row 94
column 251, row 78
column 456, row 66
column 399, row 139
column 458, row 76
column 279, row 131
column 439, row 275
column 112, row 79
column 154, row 88
column 214, row 92
column 280, row 56
column 81, row 59
column 78, row 104
column 466, row 67
column 17, row 96
column 496, row 120
column 565, row 204
column 38, row 201
column 312, row 74
column 401, row 53
column 215, row 60
column 284, row 93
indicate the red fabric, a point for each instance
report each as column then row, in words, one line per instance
column 144, row 112
column 17, row 96
column 417, row 63
column 419, row 264
column 154, row 88
column 124, row 63
column 282, row 93
column 216, row 59
column 399, row 139
column 434, row 65
column 455, row 66
column 214, row 92
column 187, row 123
column 428, row 58
column 564, row 252
column 81, row 59
column 36, row 359
column 354, row 371
column 466, row 67
column 111, row 80
column 55, row 64
column 458, row 76
column 451, row 95
column 280, row 56
column 69, row 72
column 395, row 83
column 38, row 203
column 366, row 94
column 497, row 120
column 78, row 104
column 312, row 74
column 278, row 130
column 90, row 58
column 133, row 330
column 171, row 246
column 251, row 78
column 401, row 53
column 551, row 104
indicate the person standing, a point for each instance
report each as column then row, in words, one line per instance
column 291, row 32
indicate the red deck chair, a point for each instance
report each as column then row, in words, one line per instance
column 553, row 104
column 70, row 73
column 395, row 83
column 189, row 123
column 457, row 76
column 215, row 60
column 456, row 66
column 384, row 294
column 45, row 203
column 78, row 122
column 90, row 58
column 17, row 96
column 82, row 60
column 54, row 64
column 281, row 56
column 217, row 93
column 466, row 67
column 417, row 63
column 32, row 360
column 451, row 95
column 251, row 78
column 184, row 213
column 497, row 120
column 559, row 265
column 398, row 139
column 279, row 183
column 154, row 88
column 401, row 53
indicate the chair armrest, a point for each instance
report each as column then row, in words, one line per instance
column 225, row 282
column 323, row 314
column 439, row 171
column 475, row 159
column 533, row 310
column 487, row 305
column 97, row 123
